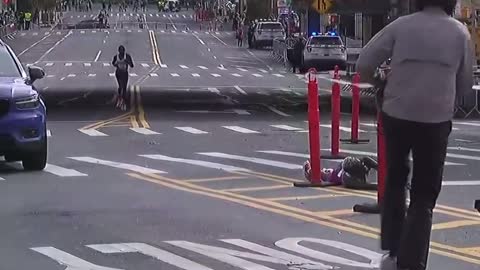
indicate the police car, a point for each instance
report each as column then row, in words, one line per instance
column 324, row 51
column 265, row 32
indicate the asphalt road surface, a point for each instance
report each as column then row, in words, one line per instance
column 199, row 173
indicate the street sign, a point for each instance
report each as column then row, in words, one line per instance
column 322, row 6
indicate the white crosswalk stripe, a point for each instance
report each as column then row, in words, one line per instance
column 68, row 64
column 87, row 64
column 236, row 75
column 216, row 75
column 118, row 165
column 183, row 66
column 153, row 75
column 201, row 163
column 145, row 65
column 49, row 133
column 241, row 129
column 92, row 132
column 49, row 64
column 174, row 75
column 92, row 75
column 195, row 75
column 257, row 75
column 62, row 172
column 273, row 163
column 278, row 75
column 191, row 130
column 144, row 131
column 133, row 75
column 202, row 67
column 287, row 127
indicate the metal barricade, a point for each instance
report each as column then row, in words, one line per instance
column 279, row 51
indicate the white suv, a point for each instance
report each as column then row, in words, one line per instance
column 266, row 32
column 325, row 52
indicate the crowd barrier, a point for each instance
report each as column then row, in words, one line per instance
column 279, row 51
column 7, row 30
column 210, row 27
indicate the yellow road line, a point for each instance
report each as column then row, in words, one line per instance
column 450, row 213
column 118, row 125
column 99, row 123
column 472, row 250
column 255, row 188
column 141, row 111
column 454, row 224
column 341, row 212
column 215, row 179
column 154, row 54
column 277, row 208
column 133, row 121
column 312, row 197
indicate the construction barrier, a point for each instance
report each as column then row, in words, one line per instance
column 355, row 120
column 279, row 51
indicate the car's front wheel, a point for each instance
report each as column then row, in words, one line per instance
column 37, row 160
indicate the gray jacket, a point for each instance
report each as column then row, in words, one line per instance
column 432, row 65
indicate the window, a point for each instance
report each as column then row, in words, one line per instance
column 8, row 67
column 271, row 26
column 326, row 41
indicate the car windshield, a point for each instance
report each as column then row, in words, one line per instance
column 326, row 41
column 8, row 67
column 271, row 26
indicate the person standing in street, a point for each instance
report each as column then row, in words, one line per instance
column 122, row 61
column 431, row 67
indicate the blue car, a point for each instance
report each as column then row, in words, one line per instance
column 23, row 118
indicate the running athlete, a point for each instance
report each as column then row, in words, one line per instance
column 122, row 61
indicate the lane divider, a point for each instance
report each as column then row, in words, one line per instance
column 155, row 53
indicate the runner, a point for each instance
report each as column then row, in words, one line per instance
column 122, row 61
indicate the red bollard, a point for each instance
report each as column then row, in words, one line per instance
column 313, row 134
column 375, row 208
column 355, row 113
column 335, row 125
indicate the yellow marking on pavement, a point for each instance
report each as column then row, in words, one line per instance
column 475, row 251
column 341, row 212
column 453, row 214
column 215, row 179
column 119, row 125
column 312, row 197
column 155, row 51
column 133, row 121
column 255, row 188
column 141, row 111
column 99, row 123
column 454, row 224
column 295, row 213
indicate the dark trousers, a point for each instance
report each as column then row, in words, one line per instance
column 406, row 234
column 122, row 80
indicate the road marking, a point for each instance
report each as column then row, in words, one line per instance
column 200, row 163
column 236, row 75
column 192, row 130
column 68, row 64
column 144, row 131
column 282, row 153
column 272, row 163
column 145, row 65
column 49, row 64
column 314, row 197
column 216, row 75
column 97, row 56
column 213, row 90
column 215, row 179
column 461, row 183
column 50, row 76
column 241, row 129
column 163, row 66
column 62, row 172
column 111, row 74
column 118, row 165
column 174, row 75
column 275, row 110
column 195, row 75
column 459, row 148
column 257, row 75
column 2, row 179
column 92, row 132
column 221, row 67
column 106, row 64
column 286, row 127
column 49, row 133
column 242, row 69
column 133, row 75
column 278, row 75
column 346, row 129
column 66, row 259
column 71, row 75
column 202, row 67
column 54, row 46
column 454, row 224
column 173, row 31
column 372, row 154
column 183, row 66
column 151, row 251
column 248, row 189
column 262, row 70
column 369, row 124
column 474, row 124
column 92, row 75
column 239, row 89
column 153, row 75
column 241, row 112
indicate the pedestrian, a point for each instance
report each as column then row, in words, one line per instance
column 240, row 36
column 122, row 61
column 417, row 108
column 297, row 54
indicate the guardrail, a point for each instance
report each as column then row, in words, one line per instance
column 144, row 25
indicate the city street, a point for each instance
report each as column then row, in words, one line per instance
column 199, row 173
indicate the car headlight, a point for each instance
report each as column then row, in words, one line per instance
column 30, row 102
